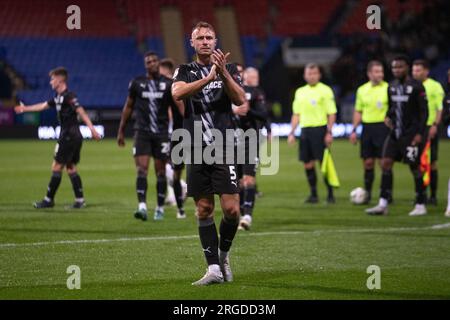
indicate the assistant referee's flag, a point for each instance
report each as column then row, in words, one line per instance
column 425, row 164
column 328, row 169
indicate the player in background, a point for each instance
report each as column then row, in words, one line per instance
column 406, row 117
column 435, row 97
column 177, row 187
column 256, row 115
column 314, row 108
column 446, row 121
column 67, row 150
column 149, row 97
column 370, row 108
column 209, row 86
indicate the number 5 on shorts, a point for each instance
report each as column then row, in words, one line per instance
column 232, row 172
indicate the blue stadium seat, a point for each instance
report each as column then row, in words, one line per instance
column 99, row 68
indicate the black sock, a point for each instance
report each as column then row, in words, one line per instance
column 386, row 184
column 209, row 239
column 53, row 185
column 77, row 185
column 369, row 175
column 433, row 182
column 312, row 180
column 141, row 188
column 329, row 189
column 418, row 182
column 161, row 186
column 177, row 190
column 249, row 200
column 227, row 231
column 241, row 198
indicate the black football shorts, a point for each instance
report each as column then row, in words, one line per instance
column 156, row 146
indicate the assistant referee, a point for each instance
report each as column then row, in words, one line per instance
column 435, row 97
column 371, row 106
column 314, row 108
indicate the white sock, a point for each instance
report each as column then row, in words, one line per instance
column 79, row 199
column 383, row 202
column 169, row 174
column 142, row 206
column 214, row 268
column 160, row 208
column 47, row 199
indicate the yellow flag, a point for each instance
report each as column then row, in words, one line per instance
column 328, row 169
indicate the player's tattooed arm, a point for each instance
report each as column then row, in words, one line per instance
column 182, row 90
column 33, row 108
column 126, row 114
column 83, row 115
column 232, row 88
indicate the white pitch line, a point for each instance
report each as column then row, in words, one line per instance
column 257, row 234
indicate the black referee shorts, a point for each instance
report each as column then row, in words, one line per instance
column 312, row 144
column 372, row 139
column 68, row 150
column 203, row 179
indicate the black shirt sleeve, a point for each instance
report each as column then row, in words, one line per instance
column 390, row 111
column 181, row 74
column 72, row 100
column 51, row 103
column 258, row 108
column 132, row 92
column 232, row 69
column 446, row 112
column 423, row 108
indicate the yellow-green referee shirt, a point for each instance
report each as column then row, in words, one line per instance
column 314, row 104
column 372, row 101
column 435, row 97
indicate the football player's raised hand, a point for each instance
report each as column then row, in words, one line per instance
column 220, row 60
column 213, row 73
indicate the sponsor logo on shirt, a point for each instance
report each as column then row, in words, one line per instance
column 214, row 85
column 152, row 95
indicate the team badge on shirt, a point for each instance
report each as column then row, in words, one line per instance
column 379, row 104
column 409, row 89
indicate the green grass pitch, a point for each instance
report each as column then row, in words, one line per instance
column 294, row 251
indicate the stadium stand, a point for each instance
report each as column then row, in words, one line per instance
column 294, row 20
column 107, row 52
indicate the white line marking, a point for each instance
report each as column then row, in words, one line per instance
column 258, row 234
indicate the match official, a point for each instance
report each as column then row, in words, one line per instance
column 371, row 106
column 435, row 97
column 314, row 108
